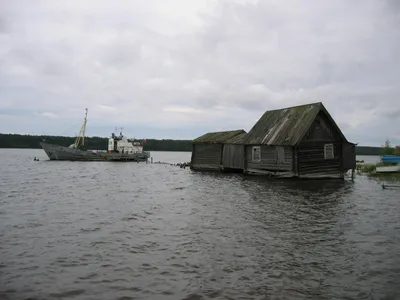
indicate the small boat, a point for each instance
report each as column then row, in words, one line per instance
column 390, row 158
column 393, row 166
column 119, row 149
column 388, row 169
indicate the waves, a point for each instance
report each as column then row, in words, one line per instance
column 94, row 231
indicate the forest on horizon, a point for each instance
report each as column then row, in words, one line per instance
column 100, row 143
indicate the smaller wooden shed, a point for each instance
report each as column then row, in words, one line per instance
column 217, row 151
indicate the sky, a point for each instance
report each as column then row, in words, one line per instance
column 177, row 69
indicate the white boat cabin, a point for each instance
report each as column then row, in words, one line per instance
column 120, row 144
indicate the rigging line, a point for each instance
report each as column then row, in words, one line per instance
column 69, row 129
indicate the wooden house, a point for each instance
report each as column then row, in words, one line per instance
column 302, row 141
column 219, row 151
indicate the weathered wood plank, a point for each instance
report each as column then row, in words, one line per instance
column 270, row 160
column 322, row 129
column 349, row 156
column 206, row 156
column 233, row 157
column 312, row 160
column 282, row 174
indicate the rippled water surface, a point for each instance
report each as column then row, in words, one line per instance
column 99, row 230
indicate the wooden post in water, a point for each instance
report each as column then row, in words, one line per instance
column 352, row 174
column 151, row 159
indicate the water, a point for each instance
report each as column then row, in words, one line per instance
column 74, row 230
column 369, row 159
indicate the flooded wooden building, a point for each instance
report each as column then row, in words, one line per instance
column 302, row 141
column 219, row 151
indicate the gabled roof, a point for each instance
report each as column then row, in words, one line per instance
column 218, row 137
column 286, row 126
column 238, row 139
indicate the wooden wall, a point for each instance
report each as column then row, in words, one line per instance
column 206, row 157
column 270, row 160
column 322, row 130
column 349, row 156
column 312, row 162
column 233, row 157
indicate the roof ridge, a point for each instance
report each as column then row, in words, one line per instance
column 301, row 105
column 235, row 130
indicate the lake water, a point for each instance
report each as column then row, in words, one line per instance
column 369, row 159
column 98, row 230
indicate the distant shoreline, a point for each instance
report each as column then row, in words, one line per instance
column 38, row 148
column 21, row 141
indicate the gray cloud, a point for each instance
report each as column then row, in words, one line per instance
column 203, row 65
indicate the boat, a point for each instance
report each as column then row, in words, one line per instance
column 392, row 164
column 390, row 158
column 388, row 169
column 119, row 149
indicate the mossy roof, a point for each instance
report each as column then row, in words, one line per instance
column 220, row 136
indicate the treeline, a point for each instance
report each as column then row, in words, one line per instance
column 366, row 150
column 92, row 143
column 100, row 143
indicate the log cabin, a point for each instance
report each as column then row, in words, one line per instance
column 302, row 141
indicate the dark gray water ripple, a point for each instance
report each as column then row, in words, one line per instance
column 137, row 231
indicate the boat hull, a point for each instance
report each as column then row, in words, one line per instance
column 390, row 158
column 57, row 152
column 388, row 169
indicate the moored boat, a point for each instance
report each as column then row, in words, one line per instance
column 392, row 164
column 390, row 158
column 388, row 169
column 119, row 149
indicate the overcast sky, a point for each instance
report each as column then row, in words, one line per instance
column 180, row 68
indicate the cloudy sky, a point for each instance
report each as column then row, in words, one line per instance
column 179, row 68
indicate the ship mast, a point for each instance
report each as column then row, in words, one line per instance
column 84, row 127
column 81, row 138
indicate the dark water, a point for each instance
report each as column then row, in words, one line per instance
column 135, row 231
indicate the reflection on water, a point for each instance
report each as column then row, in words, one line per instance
column 137, row 231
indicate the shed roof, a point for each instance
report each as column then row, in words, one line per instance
column 218, row 137
column 286, row 126
column 238, row 139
